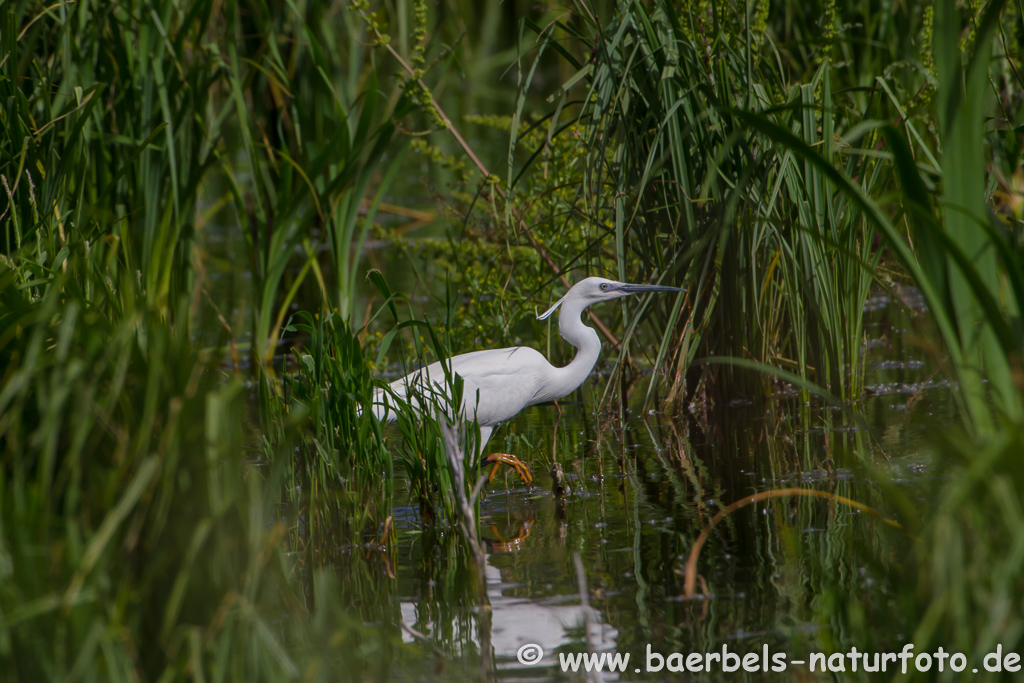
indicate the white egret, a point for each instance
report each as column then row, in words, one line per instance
column 499, row 383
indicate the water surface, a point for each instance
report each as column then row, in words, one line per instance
column 640, row 492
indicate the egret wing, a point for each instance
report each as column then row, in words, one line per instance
column 497, row 383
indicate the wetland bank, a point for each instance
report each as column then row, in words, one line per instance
column 224, row 224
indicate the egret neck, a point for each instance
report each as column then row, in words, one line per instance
column 588, row 347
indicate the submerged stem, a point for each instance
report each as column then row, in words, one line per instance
column 691, row 564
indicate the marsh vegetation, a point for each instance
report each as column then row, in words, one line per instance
column 224, row 224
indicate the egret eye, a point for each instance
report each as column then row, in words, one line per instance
column 604, row 286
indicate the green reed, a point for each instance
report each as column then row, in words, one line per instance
column 136, row 542
column 755, row 168
column 131, row 542
column 776, row 261
column 780, row 196
column 341, row 468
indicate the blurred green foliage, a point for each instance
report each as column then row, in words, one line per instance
column 178, row 178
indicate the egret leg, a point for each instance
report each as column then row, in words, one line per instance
column 500, row 459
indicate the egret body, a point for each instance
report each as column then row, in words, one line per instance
column 499, row 383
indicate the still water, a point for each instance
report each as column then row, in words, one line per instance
column 601, row 568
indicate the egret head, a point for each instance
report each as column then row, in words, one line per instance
column 593, row 290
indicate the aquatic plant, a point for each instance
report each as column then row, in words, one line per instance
column 137, row 541
column 190, row 483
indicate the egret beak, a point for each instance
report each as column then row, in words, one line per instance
column 640, row 289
